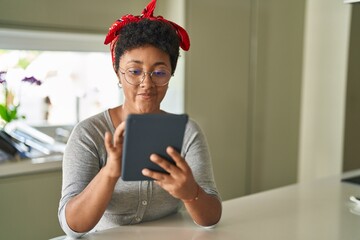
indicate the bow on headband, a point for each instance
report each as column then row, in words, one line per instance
column 114, row 30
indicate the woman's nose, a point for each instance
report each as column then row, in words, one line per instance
column 147, row 81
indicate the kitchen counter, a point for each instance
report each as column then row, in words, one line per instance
column 30, row 166
column 319, row 210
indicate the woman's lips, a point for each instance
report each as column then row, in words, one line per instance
column 145, row 96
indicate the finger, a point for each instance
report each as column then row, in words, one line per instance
column 178, row 159
column 163, row 163
column 107, row 141
column 119, row 134
column 154, row 175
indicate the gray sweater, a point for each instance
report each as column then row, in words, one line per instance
column 132, row 202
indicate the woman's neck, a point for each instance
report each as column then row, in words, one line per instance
column 120, row 114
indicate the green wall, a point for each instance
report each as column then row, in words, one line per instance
column 90, row 16
column 352, row 115
column 243, row 77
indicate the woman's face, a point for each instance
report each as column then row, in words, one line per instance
column 146, row 97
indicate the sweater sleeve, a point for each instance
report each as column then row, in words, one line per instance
column 82, row 160
column 196, row 153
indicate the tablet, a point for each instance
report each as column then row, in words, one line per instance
column 146, row 134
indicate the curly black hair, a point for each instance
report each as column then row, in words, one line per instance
column 156, row 33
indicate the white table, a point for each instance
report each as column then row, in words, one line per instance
column 313, row 211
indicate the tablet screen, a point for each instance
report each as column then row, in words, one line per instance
column 146, row 134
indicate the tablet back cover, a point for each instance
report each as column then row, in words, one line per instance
column 146, row 134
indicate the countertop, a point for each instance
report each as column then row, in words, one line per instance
column 30, row 166
column 316, row 210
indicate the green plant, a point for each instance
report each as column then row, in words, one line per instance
column 8, row 108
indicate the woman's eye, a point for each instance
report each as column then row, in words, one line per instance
column 135, row 72
column 160, row 73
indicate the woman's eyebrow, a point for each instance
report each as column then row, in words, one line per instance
column 141, row 62
column 135, row 61
column 159, row 63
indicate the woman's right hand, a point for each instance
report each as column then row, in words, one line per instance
column 84, row 210
column 113, row 145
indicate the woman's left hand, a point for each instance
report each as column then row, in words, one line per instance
column 179, row 181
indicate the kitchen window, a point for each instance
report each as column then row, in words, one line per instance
column 77, row 77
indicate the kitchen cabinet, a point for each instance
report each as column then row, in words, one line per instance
column 29, row 204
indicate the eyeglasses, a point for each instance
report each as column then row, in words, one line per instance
column 135, row 76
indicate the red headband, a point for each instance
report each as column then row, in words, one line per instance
column 114, row 30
